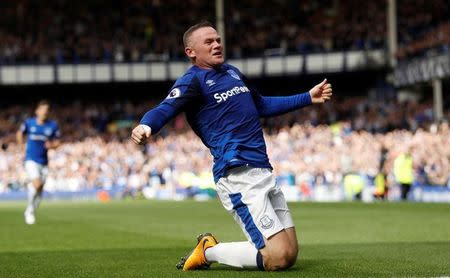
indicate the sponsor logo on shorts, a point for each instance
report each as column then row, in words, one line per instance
column 266, row 222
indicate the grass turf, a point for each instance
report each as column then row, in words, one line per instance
column 146, row 239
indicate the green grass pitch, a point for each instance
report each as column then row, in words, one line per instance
column 147, row 238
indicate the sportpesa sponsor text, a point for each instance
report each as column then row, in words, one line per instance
column 235, row 91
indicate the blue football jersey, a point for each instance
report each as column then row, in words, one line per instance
column 224, row 112
column 37, row 135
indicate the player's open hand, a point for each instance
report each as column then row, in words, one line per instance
column 321, row 92
column 140, row 134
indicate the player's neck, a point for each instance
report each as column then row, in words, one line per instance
column 208, row 67
column 40, row 120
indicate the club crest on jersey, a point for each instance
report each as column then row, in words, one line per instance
column 48, row 131
column 233, row 74
column 174, row 93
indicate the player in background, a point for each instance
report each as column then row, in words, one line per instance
column 224, row 110
column 42, row 134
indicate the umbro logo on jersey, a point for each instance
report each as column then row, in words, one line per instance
column 174, row 93
column 210, row 82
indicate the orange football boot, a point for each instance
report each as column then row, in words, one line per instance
column 196, row 258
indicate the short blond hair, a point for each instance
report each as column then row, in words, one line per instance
column 193, row 28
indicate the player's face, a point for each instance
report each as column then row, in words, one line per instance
column 42, row 112
column 205, row 48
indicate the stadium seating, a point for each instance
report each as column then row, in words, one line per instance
column 48, row 31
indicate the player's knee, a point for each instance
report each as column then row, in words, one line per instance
column 292, row 255
column 39, row 187
column 37, row 183
column 283, row 259
column 278, row 264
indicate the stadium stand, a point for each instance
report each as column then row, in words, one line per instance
column 423, row 27
column 129, row 31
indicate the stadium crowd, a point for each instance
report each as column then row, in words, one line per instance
column 312, row 146
column 65, row 31
column 423, row 28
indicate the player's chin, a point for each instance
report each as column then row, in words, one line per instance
column 218, row 60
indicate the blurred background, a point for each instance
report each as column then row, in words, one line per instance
column 103, row 64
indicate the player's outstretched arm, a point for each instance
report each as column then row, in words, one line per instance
column 322, row 92
column 274, row 106
column 140, row 134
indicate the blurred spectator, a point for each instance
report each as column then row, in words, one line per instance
column 404, row 171
column 381, row 188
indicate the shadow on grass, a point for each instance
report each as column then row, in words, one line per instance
column 219, row 267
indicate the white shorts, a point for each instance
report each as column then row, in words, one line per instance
column 257, row 204
column 35, row 170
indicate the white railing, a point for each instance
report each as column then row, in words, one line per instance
column 163, row 71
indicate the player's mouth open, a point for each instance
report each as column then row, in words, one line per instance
column 217, row 54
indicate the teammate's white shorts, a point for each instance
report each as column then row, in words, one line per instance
column 35, row 170
column 256, row 202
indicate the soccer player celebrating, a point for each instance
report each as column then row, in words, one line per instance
column 224, row 111
column 42, row 135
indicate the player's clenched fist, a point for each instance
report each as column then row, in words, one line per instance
column 140, row 134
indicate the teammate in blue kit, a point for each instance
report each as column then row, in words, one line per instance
column 42, row 135
column 224, row 110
